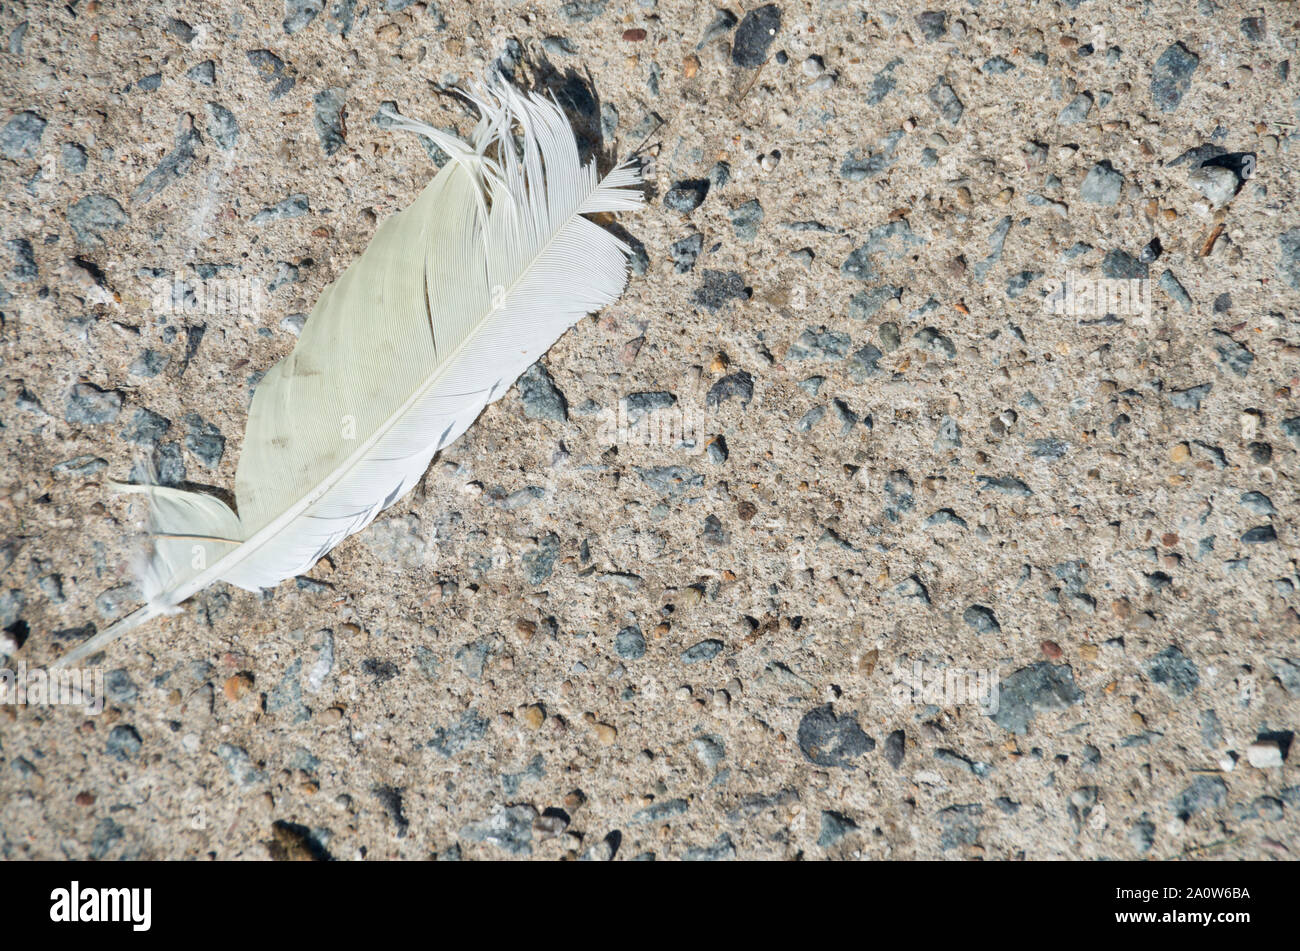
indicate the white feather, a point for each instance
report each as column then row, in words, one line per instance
column 454, row 298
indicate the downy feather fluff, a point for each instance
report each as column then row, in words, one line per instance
column 453, row 299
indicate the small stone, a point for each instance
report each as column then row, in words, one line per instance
column 1205, row 792
column 222, row 126
column 1216, row 183
column 827, row 739
column 719, row 288
column 1174, row 671
column 540, row 396
column 1171, row 286
column 703, row 651
column 746, row 219
column 205, row 73
column 204, row 440
column 834, row 827
column 685, row 252
column 1264, row 754
column 1039, row 688
column 582, row 11
column 1103, row 185
column 943, row 98
column 270, row 69
column 754, row 36
column 509, row 828
column 534, row 715
column 21, row 136
column 981, row 619
column 146, row 428
column 739, row 385
column 1171, row 76
column 328, row 118
column 606, row 734
column 895, row 748
column 629, row 643
column 820, row 344
column 933, row 24
column 1077, row 111
column 685, row 196
column 93, row 215
column 722, row 850
column 1191, row 397
column 123, row 743
column 298, row 13
column 295, row 206
column 73, row 157
column 87, row 404
column 1259, row 535
column 237, row 686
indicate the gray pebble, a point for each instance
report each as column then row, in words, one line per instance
column 895, row 748
column 670, row 481
column 21, row 136
column 687, row 195
column 685, row 252
column 93, row 215
column 123, row 743
column 222, row 126
column 582, row 11
column 754, row 36
column 1102, row 185
column 540, row 397
column 1039, row 688
column 1191, row 397
column 88, row 405
column 933, row 24
column 703, row 651
column 722, row 850
column 174, row 165
column 629, row 643
column 1175, row 671
column 820, row 344
column 1172, row 76
column 205, row 73
column 981, row 619
column 834, row 827
column 1077, row 111
column 1289, row 261
column 1205, row 792
column 73, row 157
column 827, row 739
column 719, row 288
column 1171, row 286
column 453, row 739
column 295, row 206
column 146, row 428
column 204, row 440
column 1234, row 356
column 327, row 116
column 746, row 219
column 298, row 13
column 638, row 405
column 943, row 98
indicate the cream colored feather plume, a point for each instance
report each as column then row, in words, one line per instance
column 454, row 298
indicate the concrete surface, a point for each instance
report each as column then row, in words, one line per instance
column 575, row 640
